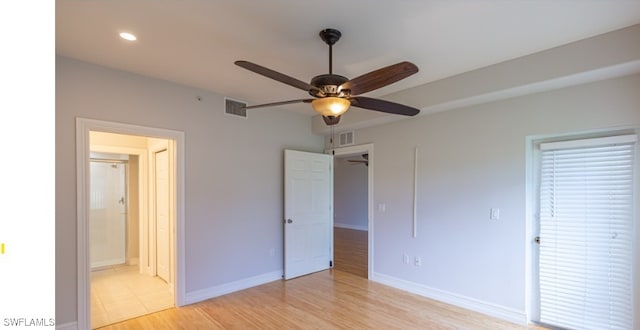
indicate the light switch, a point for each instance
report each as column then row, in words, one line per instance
column 494, row 214
column 382, row 207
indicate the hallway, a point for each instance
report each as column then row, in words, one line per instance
column 350, row 251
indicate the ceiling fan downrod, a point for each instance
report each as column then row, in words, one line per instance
column 330, row 37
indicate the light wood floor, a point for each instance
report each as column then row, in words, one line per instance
column 329, row 299
column 350, row 251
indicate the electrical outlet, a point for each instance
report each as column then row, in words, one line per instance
column 417, row 261
column 405, row 259
column 494, row 214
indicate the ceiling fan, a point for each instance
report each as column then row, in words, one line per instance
column 333, row 94
column 364, row 161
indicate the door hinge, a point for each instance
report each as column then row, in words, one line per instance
column 537, row 239
column 330, row 263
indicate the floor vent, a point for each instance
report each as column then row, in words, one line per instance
column 235, row 108
column 345, row 139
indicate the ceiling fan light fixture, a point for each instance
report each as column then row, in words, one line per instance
column 331, row 106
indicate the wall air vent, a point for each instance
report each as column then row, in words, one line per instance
column 235, row 108
column 346, row 139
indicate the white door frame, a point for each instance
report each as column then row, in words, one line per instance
column 358, row 150
column 83, row 128
column 152, row 253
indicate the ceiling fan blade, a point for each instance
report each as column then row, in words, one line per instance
column 283, row 78
column 383, row 106
column 380, row 78
column 278, row 103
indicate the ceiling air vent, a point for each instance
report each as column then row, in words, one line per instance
column 235, row 108
column 345, row 139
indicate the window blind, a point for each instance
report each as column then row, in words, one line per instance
column 586, row 215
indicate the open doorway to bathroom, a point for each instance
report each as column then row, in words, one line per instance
column 130, row 216
column 117, row 140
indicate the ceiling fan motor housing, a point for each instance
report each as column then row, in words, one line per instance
column 328, row 85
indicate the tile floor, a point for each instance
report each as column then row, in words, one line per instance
column 119, row 293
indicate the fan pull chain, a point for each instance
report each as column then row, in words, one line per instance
column 333, row 148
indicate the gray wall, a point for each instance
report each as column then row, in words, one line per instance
column 350, row 194
column 233, row 172
column 473, row 159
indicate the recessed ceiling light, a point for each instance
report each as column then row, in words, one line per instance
column 128, row 36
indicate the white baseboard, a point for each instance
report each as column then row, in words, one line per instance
column 219, row 290
column 497, row 311
column 348, row 226
column 67, row 326
column 105, row 263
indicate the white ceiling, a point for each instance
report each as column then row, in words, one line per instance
column 195, row 42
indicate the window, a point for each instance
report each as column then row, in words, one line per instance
column 585, row 260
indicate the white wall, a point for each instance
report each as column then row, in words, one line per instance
column 473, row 159
column 233, row 172
column 350, row 194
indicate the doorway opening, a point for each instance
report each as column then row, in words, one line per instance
column 353, row 213
column 122, row 287
column 130, row 221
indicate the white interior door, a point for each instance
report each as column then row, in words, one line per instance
column 162, row 214
column 308, row 230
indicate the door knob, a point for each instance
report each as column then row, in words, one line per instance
column 289, row 221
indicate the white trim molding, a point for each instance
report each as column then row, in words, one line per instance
column 226, row 288
column 501, row 312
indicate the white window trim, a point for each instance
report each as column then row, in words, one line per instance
column 589, row 142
